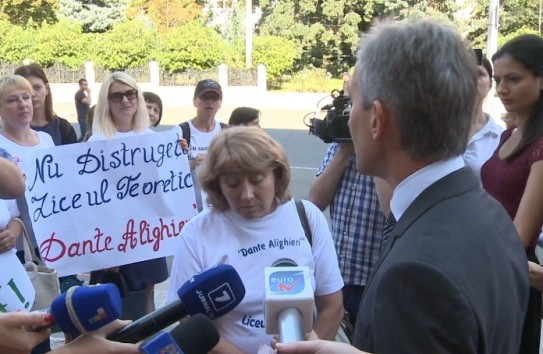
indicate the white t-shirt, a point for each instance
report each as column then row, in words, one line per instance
column 18, row 153
column 120, row 135
column 199, row 144
column 214, row 237
column 8, row 210
column 482, row 145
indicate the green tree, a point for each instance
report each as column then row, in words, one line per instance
column 166, row 14
column 327, row 31
column 61, row 43
column 276, row 53
column 128, row 44
column 19, row 12
column 15, row 42
column 94, row 15
column 193, row 46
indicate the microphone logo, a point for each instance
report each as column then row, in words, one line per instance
column 221, row 297
column 101, row 314
column 287, row 282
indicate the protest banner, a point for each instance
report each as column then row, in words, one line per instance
column 106, row 203
column 16, row 290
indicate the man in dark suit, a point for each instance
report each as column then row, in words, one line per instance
column 452, row 276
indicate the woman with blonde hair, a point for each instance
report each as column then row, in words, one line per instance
column 121, row 112
column 19, row 140
column 253, row 223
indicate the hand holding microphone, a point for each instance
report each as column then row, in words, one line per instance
column 289, row 302
column 213, row 292
column 195, row 335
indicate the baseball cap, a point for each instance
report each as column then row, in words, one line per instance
column 207, row 85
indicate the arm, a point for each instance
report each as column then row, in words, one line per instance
column 8, row 236
column 12, row 181
column 224, row 347
column 87, row 99
column 317, row 347
column 14, row 336
column 329, row 314
column 96, row 342
column 323, row 188
column 426, row 313
column 536, row 275
column 529, row 217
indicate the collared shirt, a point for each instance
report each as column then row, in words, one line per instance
column 482, row 145
column 357, row 221
column 412, row 186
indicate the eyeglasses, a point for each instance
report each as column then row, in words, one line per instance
column 118, row 96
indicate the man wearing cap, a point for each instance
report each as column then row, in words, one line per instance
column 199, row 131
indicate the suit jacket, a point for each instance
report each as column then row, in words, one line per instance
column 452, row 278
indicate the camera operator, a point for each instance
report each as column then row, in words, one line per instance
column 357, row 219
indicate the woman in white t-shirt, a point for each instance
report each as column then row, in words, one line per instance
column 19, row 140
column 253, row 223
column 9, row 227
column 121, row 112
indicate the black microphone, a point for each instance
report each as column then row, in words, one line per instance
column 213, row 292
column 195, row 335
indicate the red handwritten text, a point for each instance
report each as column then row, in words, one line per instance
column 53, row 248
column 145, row 234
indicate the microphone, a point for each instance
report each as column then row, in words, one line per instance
column 288, row 302
column 213, row 292
column 195, row 335
column 84, row 309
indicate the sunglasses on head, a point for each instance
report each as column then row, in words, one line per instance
column 118, row 96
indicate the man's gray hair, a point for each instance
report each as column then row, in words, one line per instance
column 425, row 74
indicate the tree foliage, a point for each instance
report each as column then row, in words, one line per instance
column 94, row 15
column 166, row 14
column 20, row 12
column 15, row 42
column 276, row 53
column 61, row 43
column 193, row 46
column 128, row 44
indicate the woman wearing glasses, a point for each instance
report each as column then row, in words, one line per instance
column 121, row 112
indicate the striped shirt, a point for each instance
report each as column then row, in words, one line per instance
column 357, row 221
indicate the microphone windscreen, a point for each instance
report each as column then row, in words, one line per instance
column 196, row 335
column 213, row 292
column 84, row 309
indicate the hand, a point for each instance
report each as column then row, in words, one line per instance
column 316, row 347
column 96, row 342
column 197, row 161
column 346, row 150
column 7, row 240
column 15, row 334
column 184, row 144
column 536, row 275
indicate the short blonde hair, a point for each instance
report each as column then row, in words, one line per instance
column 103, row 121
column 10, row 82
column 248, row 149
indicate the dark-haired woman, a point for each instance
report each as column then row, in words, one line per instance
column 514, row 173
column 44, row 118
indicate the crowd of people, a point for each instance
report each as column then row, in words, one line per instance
column 435, row 209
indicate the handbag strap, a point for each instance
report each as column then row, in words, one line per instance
column 30, row 253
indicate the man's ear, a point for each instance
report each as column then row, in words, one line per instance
column 379, row 119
